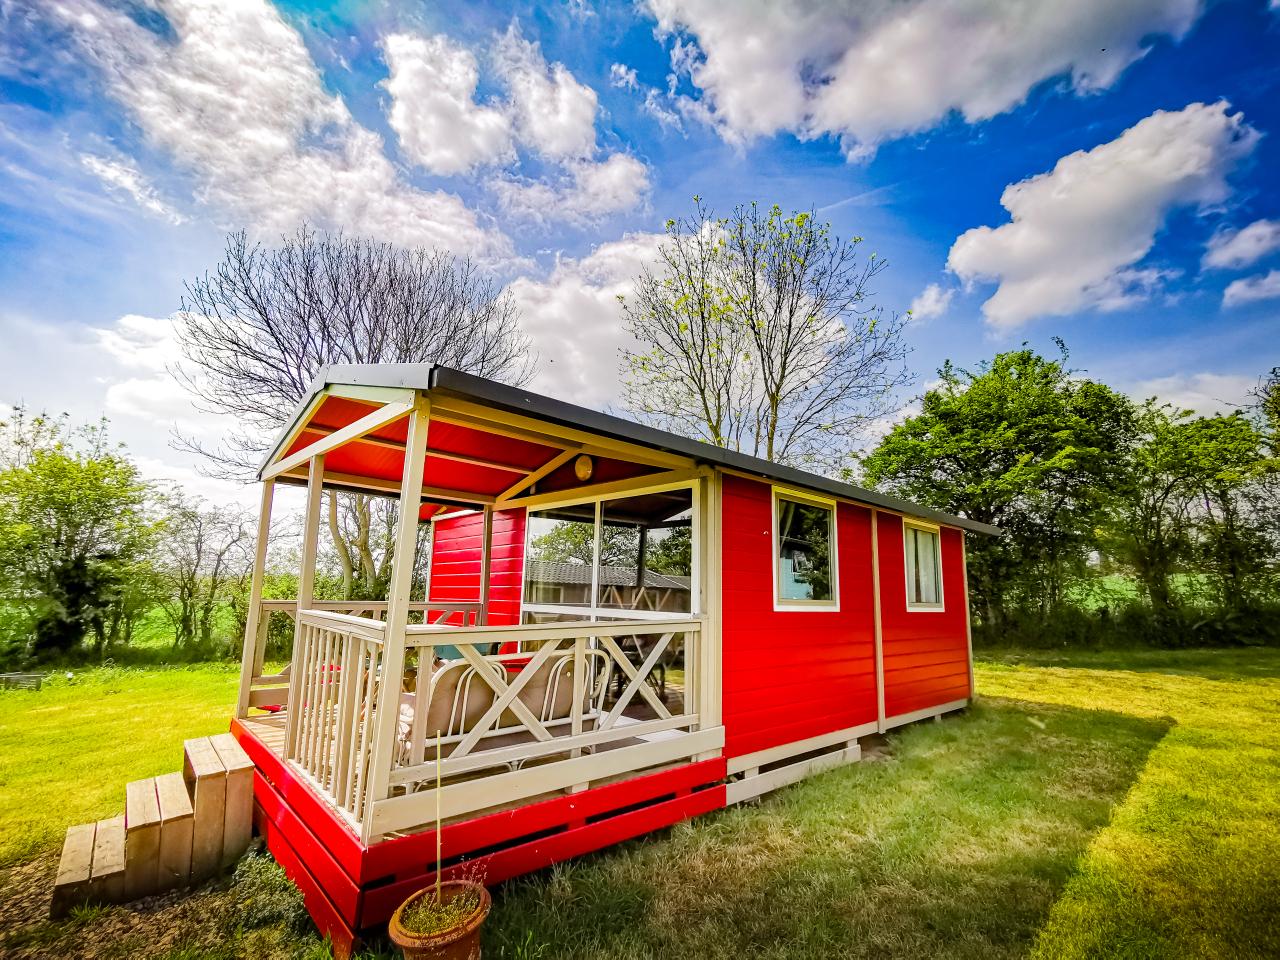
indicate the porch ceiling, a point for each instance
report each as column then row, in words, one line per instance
column 466, row 464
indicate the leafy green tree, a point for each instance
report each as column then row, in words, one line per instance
column 756, row 332
column 74, row 521
column 205, row 552
column 571, row 541
column 1021, row 442
column 1191, row 501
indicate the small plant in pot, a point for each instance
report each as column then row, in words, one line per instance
column 442, row 922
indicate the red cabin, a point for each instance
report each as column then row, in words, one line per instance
column 619, row 629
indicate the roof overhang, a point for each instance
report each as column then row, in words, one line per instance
column 381, row 384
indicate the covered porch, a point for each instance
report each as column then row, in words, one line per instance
column 564, row 638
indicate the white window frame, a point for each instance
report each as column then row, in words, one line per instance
column 597, row 613
column 936, row 530
column 810, row 606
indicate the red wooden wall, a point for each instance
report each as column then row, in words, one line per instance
column 456, row 557
column 926, row 653
column 790, row 675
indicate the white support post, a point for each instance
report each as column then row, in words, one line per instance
column 879, row 632
column 306, row 593
column 251, row 656
column 486, row 566
column 968, row 614
column 708, row 674
column 406, row 542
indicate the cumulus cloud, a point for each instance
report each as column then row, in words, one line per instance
column 1234, row 249
column 586, row 192
column 123, row 176
column 872, row 71
column 553, row 112
column 441, row 128
column 1076, row 232
column 1203, row 393
column 1264, row 286
column 230, row 91
column 932, row 301
column 620, row 75
column 575, row 321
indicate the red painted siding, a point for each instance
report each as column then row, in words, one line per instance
column 926, row 653
column 455, row 562
column 790, row 675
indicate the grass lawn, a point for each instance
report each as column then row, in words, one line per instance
column 67, row 751
column 1093, row 805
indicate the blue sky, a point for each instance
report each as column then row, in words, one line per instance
column 1098, row 171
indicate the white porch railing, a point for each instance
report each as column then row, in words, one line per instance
column 266, row 690
column 511, row 725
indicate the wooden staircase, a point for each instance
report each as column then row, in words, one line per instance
column 177, row 830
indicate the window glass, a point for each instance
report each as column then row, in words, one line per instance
column 560, row 545
column 646, row 552
column 804, row 551
column 924, row 582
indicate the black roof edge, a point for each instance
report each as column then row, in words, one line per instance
column 443, row 379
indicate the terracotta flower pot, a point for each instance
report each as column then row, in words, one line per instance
column 458, row 942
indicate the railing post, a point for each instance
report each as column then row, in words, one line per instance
column 306, row 589
column 406, row 542
column 251, row 655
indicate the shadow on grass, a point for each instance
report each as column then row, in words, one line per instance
column 957, row 843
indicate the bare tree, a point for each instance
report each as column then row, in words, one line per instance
column 258, row 328
column 203, row 552
column 256, row 331
column 755, row 332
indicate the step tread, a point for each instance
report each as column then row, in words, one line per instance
column 230, row 752
column 201, row 760
column 108, row 848
column 173, row 797
column 141, row 807
column 76, row 864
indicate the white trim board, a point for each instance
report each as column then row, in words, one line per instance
column 761, row 783
column 762, row 758
column 925, row 713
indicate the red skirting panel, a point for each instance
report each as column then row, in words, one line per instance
column 349, row 887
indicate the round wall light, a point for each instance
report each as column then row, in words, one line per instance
column 583, row 467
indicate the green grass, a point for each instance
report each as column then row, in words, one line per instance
column 67, row 751
column 1114, row 804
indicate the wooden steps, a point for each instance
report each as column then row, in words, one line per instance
column 177, row 829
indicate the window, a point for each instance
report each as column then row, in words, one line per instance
column 804, row 552
column 924, row 567
column 645, row 566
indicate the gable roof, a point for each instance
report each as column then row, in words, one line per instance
column 438, row 379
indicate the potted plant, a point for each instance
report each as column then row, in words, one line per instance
column 442, row 921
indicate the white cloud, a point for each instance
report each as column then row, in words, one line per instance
column 575, row 320
column 875, row 70
column 620, row 75
column 441, row 128
column 1263, row 286
column 554, row 113
column 118, row 370
column 667, row 118
column 235, row 98
column 1204, row 393
column 1076, row 232
column 585, row 193
column 1234, row 249
column 123, row 176
column 931, row 302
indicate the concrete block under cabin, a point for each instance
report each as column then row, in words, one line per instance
column 206, row 779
